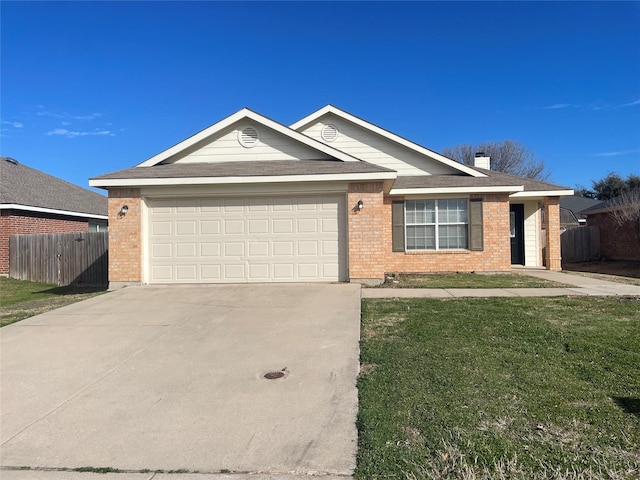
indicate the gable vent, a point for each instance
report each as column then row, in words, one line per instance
column 329, row 133
column 248, row 137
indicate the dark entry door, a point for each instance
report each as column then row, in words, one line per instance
column 516, row 221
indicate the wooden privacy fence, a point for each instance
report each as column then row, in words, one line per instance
column 60, row 258
column 580, row 244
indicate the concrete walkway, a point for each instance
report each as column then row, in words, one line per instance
column 578, row 285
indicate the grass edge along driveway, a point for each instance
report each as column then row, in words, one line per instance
column 20, row 299
column 518, row 388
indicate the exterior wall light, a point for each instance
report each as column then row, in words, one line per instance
column 123, row 211
column 360, row 205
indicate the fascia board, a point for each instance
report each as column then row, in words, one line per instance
column 440, row 190
column 542, row 193
column 245, row 113
column 28, row 208
column 386, row 134
column 139, row 182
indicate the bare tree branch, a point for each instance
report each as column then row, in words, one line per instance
column 625, row 207
column 507, row 156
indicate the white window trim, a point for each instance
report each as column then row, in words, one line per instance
column 436, row 225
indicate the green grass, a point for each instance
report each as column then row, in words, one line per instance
column 20, row 299
column 467, row 280
column 500, row 388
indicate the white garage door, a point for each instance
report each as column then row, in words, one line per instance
column 232, row 240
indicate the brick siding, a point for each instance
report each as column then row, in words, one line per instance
column 370, row 240
column 618, row 242
column 21, row 222
column 553, row 258
column 125, row 236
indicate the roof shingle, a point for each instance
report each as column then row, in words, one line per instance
column 22, row 185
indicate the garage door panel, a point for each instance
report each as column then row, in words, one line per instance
column 210, row 273
column 307, row 225
column 186, row 227
column 210, row 249
column 234, row 227
column 234, row 272
column 209, row 227
column 255, row 239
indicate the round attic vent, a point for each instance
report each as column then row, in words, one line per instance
column 329, row 133
column 248, row 137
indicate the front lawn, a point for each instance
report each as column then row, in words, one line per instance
column 20, row 299
column 467, row 280
column 500, row 388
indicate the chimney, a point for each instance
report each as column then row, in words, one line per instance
column 482, row 161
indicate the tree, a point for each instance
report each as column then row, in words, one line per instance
column 507, row 156
column 612, row 185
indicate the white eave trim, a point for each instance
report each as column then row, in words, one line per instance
column 543, row 193
column 386, row 134
column 245, row 113
column 441, row 190
column 142, row 182
column 28, row 208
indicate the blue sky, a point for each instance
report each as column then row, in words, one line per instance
column 93, row 87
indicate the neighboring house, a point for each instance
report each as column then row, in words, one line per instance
column 330, row 198
column 33, row 202
column 571, row 208
column 618, row 241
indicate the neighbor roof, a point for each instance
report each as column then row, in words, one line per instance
column 254, row 171
column 613, row 203
column 26, row 188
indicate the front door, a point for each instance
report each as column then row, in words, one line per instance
column 516, row 222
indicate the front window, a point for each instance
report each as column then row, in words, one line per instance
column 437, row 224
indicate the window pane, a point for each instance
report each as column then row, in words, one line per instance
column 420, row 211
column 452, row 236
column 452, row 211
column 421, row 237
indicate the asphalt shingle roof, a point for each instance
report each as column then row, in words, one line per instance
column 22, row 185
column 244, row 169
column 492, row 179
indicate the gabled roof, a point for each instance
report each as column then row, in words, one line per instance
column 245, row 172
column 330, row 109
column 24, row 188
column 246, row 114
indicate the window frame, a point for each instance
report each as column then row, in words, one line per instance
column 436, row 224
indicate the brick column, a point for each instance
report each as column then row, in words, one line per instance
column 552, row 232
column 366, row 245
column 125, row 237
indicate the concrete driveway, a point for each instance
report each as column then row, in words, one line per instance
column 172, row 378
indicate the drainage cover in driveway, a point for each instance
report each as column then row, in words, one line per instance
column 275, row 375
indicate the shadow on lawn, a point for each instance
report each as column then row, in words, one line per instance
column 72, row 290
column 629, row 405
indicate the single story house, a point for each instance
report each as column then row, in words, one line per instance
column 32, row 201
column 619, row 237
column 332, row 197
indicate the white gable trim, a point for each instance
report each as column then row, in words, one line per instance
column 542, row 193
column 28, row 208
column 441, row 190
column 386, row 134
column 245, row 113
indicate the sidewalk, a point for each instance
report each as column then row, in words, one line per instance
column 579, row 285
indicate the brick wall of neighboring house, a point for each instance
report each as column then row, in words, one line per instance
column 22, row 222
column 618, row 242
column 125, row 236
column 370, row 239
